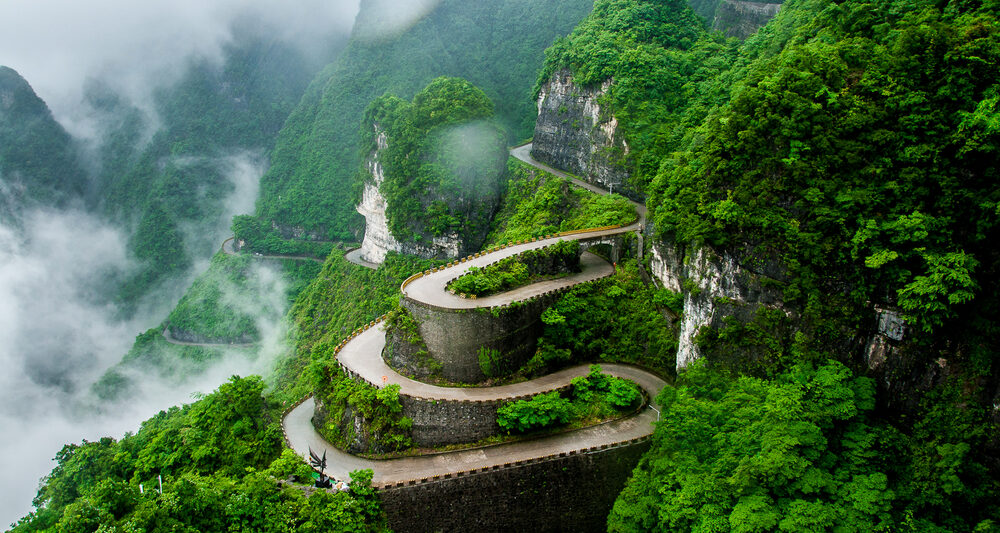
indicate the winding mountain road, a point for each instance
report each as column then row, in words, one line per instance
column 362, row 355
column 167, row 337
column 354, row 256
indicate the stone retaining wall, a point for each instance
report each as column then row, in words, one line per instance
column 571, row 491
column 441, row 422
column 454, row 337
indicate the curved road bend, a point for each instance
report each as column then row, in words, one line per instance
column 354, row 255
column 430, row 288
column 171, row 340
column 302, row 435
column 523, row 153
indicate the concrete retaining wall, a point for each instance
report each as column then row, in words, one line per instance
column 440, row 422
column 565, row 492
column 454, row 337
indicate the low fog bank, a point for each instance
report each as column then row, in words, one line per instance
column 137, row 47
column 60, row 334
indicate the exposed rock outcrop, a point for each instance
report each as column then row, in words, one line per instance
column 715, row 286
column 736, row 18
column 378, row 240
column 575, row 133
column 741, row 18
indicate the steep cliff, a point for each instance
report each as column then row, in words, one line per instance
column 378, row 240
column 37, row 157
column 736, row 18
column 717, row 289
column 576, row 132
column 434, row 174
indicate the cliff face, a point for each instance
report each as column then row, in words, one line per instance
column 741, row 18
column 736, row 18
column 715, row 286
column 720, row 290
column 378, row 239
column 574, row 133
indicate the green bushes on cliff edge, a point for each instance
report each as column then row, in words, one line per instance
column 219, row 459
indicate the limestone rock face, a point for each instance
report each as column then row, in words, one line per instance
column 715, row 286
column 378, row 239
column 742, row 18
column 574, row 133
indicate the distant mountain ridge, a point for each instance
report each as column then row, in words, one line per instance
column 38, row 159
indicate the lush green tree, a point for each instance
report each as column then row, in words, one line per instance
column 497, row 46
column 443, row 163
column 219, row 458
column 752, row 455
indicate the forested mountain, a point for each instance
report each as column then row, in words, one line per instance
column 216, row 123
column 823, row 204
column 38, row 160
column 311, row 187
column 844, row 155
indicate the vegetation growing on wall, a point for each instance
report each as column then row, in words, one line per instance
column 537, row 203
column 219, row 459
column 523, row 269
column 590, row 399
column 386, row 430
column 402, row 322
column 443, row 163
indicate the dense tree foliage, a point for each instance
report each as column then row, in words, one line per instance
column 537, row 203
column 861, row 155
column 38, row 160
column 218, row 457
column 495, row 45
column 442, row 159
column 803, row 452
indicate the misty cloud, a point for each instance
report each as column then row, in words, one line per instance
column 135, row 47
column 58, row 338
column 55, row 339
column 388, row 18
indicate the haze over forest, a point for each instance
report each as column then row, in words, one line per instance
column 772, row 224
column 60, row 332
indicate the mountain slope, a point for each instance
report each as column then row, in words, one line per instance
column 494, row 45
column 38, row 161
